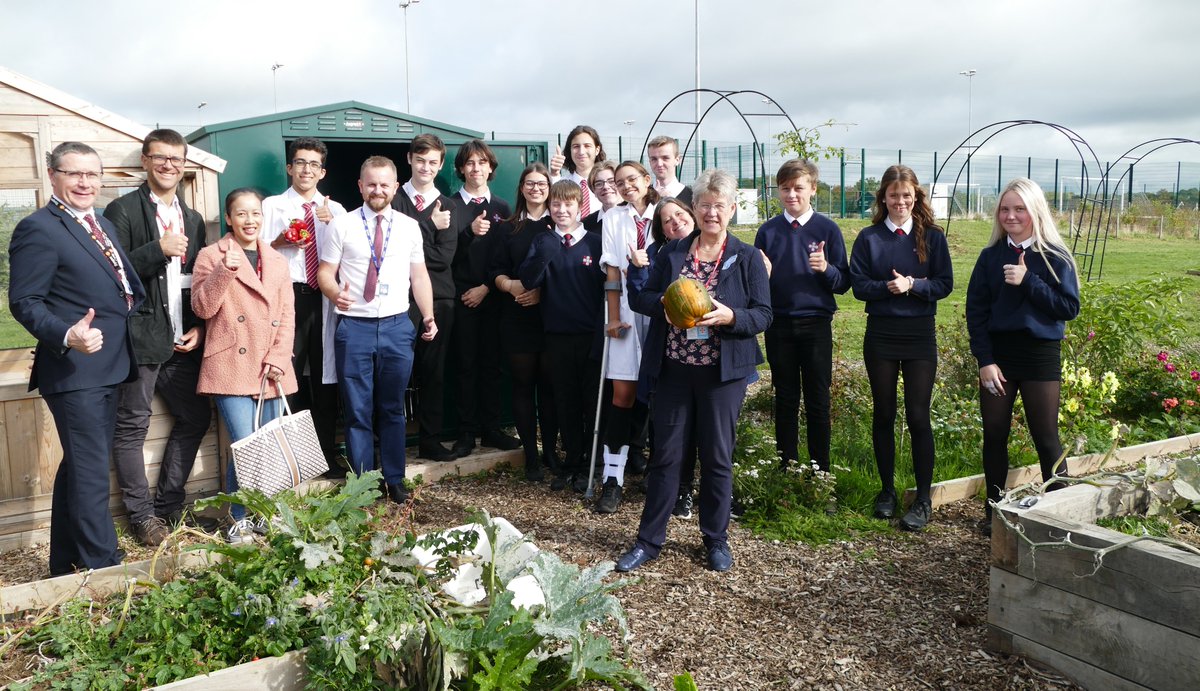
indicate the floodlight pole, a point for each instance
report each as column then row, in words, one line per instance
column 970, row 75
column 275, row 84
column 404, row 4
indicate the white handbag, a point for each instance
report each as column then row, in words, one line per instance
column 280, row 454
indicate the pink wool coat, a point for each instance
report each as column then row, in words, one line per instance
column 250, row 322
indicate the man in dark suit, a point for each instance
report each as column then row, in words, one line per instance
column 72, row 288
column 162, row 236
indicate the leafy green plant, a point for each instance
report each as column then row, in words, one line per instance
column 1116, row 322
column 371, row 608
column 1085, row 410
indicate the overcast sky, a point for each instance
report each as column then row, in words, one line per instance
column 1118, row 73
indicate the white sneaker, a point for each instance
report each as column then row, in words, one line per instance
column 240, row 532
column 260, row 524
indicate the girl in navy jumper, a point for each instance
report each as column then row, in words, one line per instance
column 900, row 267
column 809, row 267
column 565, row 263
column 521, row 332
column 1023, row 290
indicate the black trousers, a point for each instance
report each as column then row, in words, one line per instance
column 575, row 378
column 82, row 534
column 429, row 369
column 691, row 403
column 476, row 341
column 800, row 352
column 175, row 380
column 308, row 349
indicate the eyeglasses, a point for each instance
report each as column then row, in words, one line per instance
column 628, row 181
column 536, row 185
column 77, row 175
column 301, row 163
column 601, row 183
column 159, row 159
column 720, row 207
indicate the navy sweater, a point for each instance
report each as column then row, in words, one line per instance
column 797, row 290
column 877, row 251
column 1040, row 306
column 572, row 282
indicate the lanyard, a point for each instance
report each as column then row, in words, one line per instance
column 377, row 260
column 716, row 266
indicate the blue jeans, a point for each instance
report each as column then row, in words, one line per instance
column 238, row 414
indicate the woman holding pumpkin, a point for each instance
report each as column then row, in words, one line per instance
column 701, row 366
column 900, row 267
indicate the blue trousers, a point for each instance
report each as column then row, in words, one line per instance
column 82, row 534
column 238, row 414
column 691, row 403
column 374, row 359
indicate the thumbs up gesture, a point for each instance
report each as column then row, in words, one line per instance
column 816, row 259
column 82, row 337
column 1014, row 274
column 557, row 161
column 441, row 217
column 323, row 212
column 481, row 225
column 233, row 258
column 899, row 285
column 344, row 301
column 636, row 257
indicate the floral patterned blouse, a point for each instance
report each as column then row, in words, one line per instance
column 692, row 351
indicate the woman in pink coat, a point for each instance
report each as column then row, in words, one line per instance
column 241, row 287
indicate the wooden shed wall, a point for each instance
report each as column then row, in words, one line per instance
column 30, row 454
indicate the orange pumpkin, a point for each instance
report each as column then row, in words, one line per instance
column 685, row 302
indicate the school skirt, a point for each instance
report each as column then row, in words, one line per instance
column 900, row 338
column 1021, row 357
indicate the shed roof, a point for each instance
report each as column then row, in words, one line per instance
column 95, row 113
column 333, row 107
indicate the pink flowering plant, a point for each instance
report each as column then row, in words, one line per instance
column 1166, row 392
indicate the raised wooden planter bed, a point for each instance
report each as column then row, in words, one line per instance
column 1129, row 621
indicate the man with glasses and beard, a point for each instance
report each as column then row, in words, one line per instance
column 162, row 236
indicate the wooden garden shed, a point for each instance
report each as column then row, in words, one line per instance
column 34, row 118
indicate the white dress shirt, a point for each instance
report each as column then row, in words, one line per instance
column 169, row 218
column 427, row 197
column 805, row 217
column 350, row 245
column 279, row 211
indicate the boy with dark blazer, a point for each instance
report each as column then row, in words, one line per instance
column 162, row 236
column 476, row 312
column 421, row 201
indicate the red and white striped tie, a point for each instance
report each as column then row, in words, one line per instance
column 310, row 250
column 585, row 206
column 641, row 227
column 420, row 202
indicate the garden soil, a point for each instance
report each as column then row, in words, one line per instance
column 883, row 611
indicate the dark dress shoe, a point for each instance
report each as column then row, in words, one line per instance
column 498, row 439
column 985, row 527
column 533, row 470
column 719, row 557
column 397, row 493
column 464, row 446
column 610, row 497
column 560, row 482
column 917, row 516
column 434, row 451
column 632, row 559
column 885, row 504
column 579, row 482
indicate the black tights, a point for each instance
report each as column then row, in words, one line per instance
column 1040, row 399
column 918, row 390
column 532, row 399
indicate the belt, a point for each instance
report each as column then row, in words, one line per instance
column 304, row 288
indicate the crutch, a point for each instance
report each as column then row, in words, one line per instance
column 596, row 429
